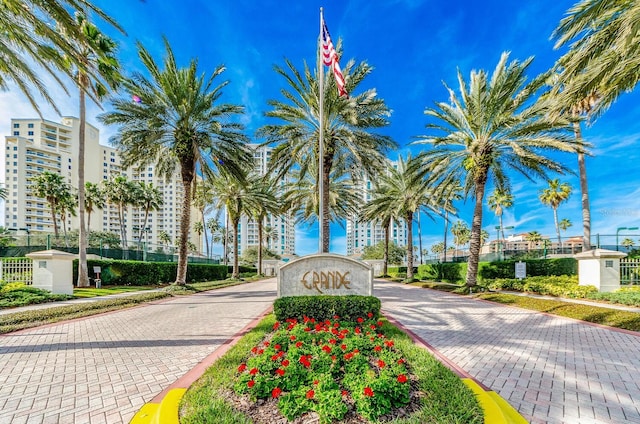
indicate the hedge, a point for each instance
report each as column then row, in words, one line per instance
column 456, row 272
column 135, row 273
column 349, row 308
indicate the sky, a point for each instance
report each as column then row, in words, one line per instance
column 415, row 47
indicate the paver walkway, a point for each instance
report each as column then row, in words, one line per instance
column 551, row 369
column 102, row 369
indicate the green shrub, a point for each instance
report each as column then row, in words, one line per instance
column 535, row 268
column 241, row 268
column 564, row 286
column 27, row 295
column 449, row 271
column 626, row 296
column 7, row 287
column 321, row 308
column 135, row 273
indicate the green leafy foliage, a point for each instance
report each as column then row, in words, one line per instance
column 564, row 286
column 626, row 296
column 322, row 308
column 396, row 253
column 19, row 294
column 451, row 271
column 119, row 272
column 535, row 268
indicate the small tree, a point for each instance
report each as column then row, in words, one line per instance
column 395, row 255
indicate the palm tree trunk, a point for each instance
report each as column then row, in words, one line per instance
column 260, row 245
column 555, row 219
column 476, row 228
column 83, row 271
column 584, row 189
column 226, row 238
column 501, row 227
column 88, row 221
column 123, row 231
column 187, row 178
column 446, row 230
column 206, row 237
column 385, row 264
column 420, row 237
column 409, row 218
column 236, row 266
column 54, row 218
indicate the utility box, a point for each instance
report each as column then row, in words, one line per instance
column 53, row 271
column 600, row 268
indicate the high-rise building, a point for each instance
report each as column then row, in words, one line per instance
column 282, row 238
column 38, row 145
column 362, row 234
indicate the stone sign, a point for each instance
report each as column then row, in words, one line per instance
column 325, row 274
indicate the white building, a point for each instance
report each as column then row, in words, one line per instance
column 362, row 234
column 284, row 240
column 38, row 145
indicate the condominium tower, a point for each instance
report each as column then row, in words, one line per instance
column 38, row 145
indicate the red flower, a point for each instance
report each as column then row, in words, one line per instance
column 254, row 350
column 326, row 348
column 333, row 357
column 402, row 378
column 377, row 348
column 356, row 350
column 370, row 314
column 341, row 336
column 373, row 327
column 285, row 363
column 332, row 341
column 345, row 393
column 389, row 343
column 336, row 317
column 276, row 325
column 274, row 357
column 348, row 356
column 292, row 338
column 381, row 363
column 357, row 330
column 242, row 367
column 260, row 351
column 315, row 382
column 401, row 361
column 360, row 320
column 310, row 394
column 327, row 322
column 343, row 346
column 276, row 392
column 368, row 391
column 280, row 372
column 304, row 361
column 298, row 344
column 251, row 383
column 336, row 324
column 253, row 371
column 267, row 344
column 379, row 323
column 307, row 329
column 277, row 347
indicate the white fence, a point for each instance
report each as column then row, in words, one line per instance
column 16, row 270
column 629, row 271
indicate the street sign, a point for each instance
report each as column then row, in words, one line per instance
column 521, row 270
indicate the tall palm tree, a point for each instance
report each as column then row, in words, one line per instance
column 270, row 234
column 381, row 208
column 66, row 206
column 149, row 199
column 94, row 199
column 461, row 233
column 348, row 126
column 406, row 186
column 120, row 192
column 449, row 194
column 565, row 224
column 212, row 225
column 203, row 197
column 53, row 188
column 3, row 192
column 263, row 201
column 198, row 227
column 42, row 32
column 164, row 238
column 97, row 72
column 553, row 196
column 498, row 201
column 178, row 124
column 493, row 125
column 533, row 237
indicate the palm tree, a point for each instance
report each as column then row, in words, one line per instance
column 164, row 238
column 263, row 201
column 348, row 129
column 66, row 206
column 203, row 197
column 223, row 236
column 381, row 208
column 120, row 192
column 553, row 196
column 406, row 186
column 198, row 227
column 178, row 125
column 94, row 199
column 51, row 187
column 270, row 234
column 449, row 194
column 149, row 199
column 494, row 125
column 498, row 201
column 533, row 237
column 3, row 192
column 484, row 236
column 29, row 36
column 461, row 233
column 214, row 226
column 628, row 243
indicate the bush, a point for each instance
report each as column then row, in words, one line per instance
column 27, row 295
column 321, row 308
column 564, row 286
column 448, row 271
column 626, row 296
column 535, row 268
column 135, row 273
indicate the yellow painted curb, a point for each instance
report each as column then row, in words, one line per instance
column 496, row 409
column 165, row 412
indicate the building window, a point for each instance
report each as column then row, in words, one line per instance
column 16, row 125
column 30, row 133
column 29, row 125
column 16, row 133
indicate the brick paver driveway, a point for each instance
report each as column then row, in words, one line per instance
column 551, row 369
column 102, row 369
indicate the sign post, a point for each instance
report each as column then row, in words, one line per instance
column 521, row 270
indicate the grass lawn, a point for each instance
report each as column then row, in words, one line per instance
column 443, row 396
column 86, row 292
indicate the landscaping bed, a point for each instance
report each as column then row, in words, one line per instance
column 328, row 370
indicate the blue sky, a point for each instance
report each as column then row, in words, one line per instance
column 414, row 47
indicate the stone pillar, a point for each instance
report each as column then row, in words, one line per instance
column 53, row 271
column 600, row 268
column 376, row 264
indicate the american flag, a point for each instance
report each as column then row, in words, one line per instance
column 330, row 58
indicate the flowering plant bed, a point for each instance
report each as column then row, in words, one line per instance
column 331, row 371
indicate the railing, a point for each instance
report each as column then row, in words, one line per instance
column 16, row 269
column 629, row 271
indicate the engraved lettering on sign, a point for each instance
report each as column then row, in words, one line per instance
column 326, row 280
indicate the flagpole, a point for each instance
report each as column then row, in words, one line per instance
column 320, row 141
